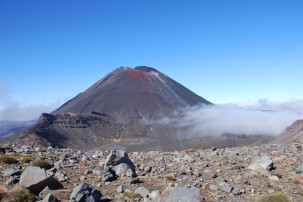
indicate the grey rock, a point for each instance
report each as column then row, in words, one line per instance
column 267, row 184
column 142, row 191
column 119, row 162
column 154, row 194
column 148, row 169
column 214, row 175
column 36, row 179
column 185, row 179
column 84, row 158
column 97, row 172
column 248, row 175
column 26, row 149
column 227, row 188
column 44, row 191
column 180, row 194
column 213, row 187
column 11, row 172
column 178, row 159
column 87, row 172
column 134, row 180
column 11, row 181
column 60, row 176
column 220, row 179
column 49, row 198
column 107, row 175
column 238, row 178
column 197, row 174
column 121, row 189
column 69, row 165
column 236, row 191
column 130, row 173
column 263, row 162
column 85, row 193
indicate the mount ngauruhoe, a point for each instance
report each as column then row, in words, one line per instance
column 110, row 113
column 116, row 112
column 132, row 93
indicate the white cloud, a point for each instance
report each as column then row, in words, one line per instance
column 23, row 111
column 261, row 118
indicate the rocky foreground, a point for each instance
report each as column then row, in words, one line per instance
column 230, row 174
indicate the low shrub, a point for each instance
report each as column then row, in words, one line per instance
column 7, row 147
column 170, row 177
column 42, row 164
column 275, row 197
column 42, row 150
column 8, row 160
column 17, row 194
column 190, row 150
column 131, row 195
column 296, row 181
column 26, row 159
column 17, row 154
column 52, row 156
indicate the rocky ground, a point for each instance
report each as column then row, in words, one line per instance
column 230, row 174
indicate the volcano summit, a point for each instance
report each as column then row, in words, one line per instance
column 110, row 113
column 142, row 92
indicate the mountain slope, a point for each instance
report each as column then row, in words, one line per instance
column 133, row 93
column 292, row 134
column 10, row 127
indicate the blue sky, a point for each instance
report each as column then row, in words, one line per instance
column 227, row 51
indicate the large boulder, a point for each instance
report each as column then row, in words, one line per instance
column 180, row 194
column 50, row 198
column 118, row 162
column 36, row 179
column 142, row 191
column 85, row 193
column 11, row 172
column 261, row 163
column 108, row 175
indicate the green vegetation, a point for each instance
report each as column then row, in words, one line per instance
column 276, row 197
column 170, row 177
column 41, row 164
column 17, row 154
column 7, row 147
column 52, row 156
column 8, row 160
column 17, row 194
column 190, row 150
column 296, row 181
column 131, row 195
column 26, row 159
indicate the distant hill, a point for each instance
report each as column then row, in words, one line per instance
column 293, row 133
column 10, row 127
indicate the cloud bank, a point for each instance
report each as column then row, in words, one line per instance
column 261, row 118
column 23, row 111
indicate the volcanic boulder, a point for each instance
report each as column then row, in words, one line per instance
column 119, row 163
column 36, row 179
